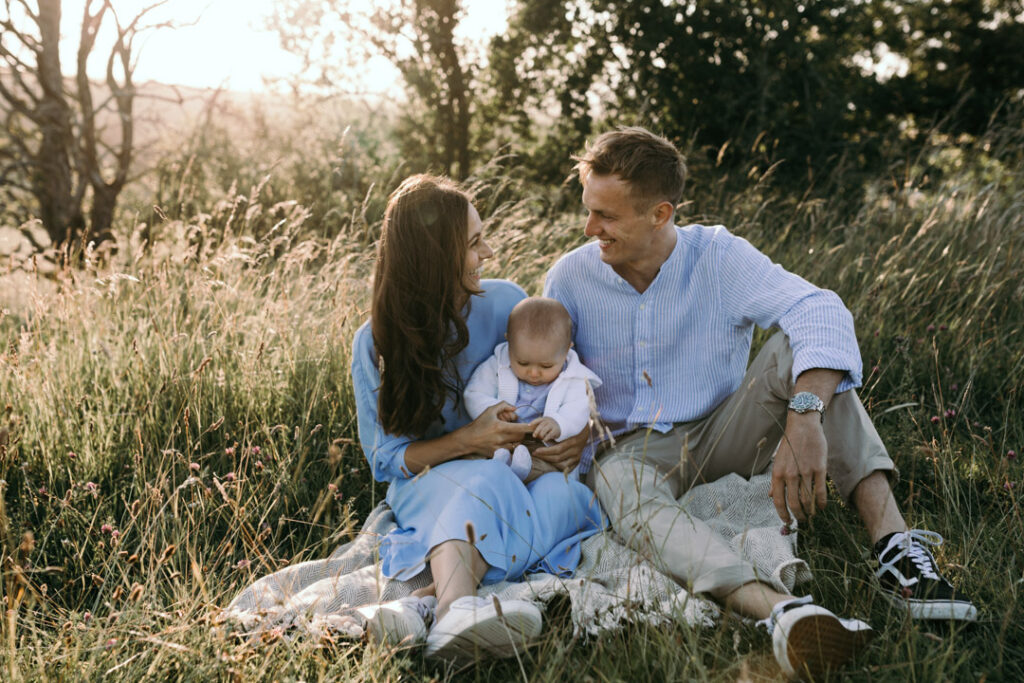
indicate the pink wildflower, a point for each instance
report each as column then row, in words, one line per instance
column 230, row 476
column 194, row 466
column 106, row 529
column 258, row 465
column 332, row 487
column 935, row 419
column 931, row 328
column 943, row 328
column 1011, row 454
column 950, row 413
column 242, row 564
column 230, row 450
column 90, row 486
column 255, row 450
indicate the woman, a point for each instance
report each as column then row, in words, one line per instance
column 433, row 320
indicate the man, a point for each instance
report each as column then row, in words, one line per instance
column 664, row 315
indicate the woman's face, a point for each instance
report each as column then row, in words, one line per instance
column 477, row 251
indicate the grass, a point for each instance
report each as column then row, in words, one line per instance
column 179, row 422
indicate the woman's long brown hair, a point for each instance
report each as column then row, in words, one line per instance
column 418, row 294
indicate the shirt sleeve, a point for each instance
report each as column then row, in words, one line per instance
column 820, row 328
column 573, row 412
column 482, row 391
column 385, row 452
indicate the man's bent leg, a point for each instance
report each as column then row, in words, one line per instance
column 637, row 482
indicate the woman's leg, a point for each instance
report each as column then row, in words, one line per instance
column 457, row 568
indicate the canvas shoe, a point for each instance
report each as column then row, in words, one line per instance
column 910, row 578
column 809, row 640
column 475, row 625
column 400, row 622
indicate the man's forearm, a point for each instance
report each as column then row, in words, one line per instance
column 821, row 382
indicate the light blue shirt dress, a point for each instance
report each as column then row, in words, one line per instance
column 518, row 528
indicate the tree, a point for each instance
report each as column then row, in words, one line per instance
column 58, row 146
column 418, row 38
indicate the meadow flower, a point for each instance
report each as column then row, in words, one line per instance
column 230, row 450
column 87, row 617
column 332, row 487
column 71, row 454
column 943, row 328
column 242, row 564
column 115, row 533
column 230, row 476
column 90, row 486
column 935, row 419
column 194, row 466
column 106, row 529
column 258, row 465
column 955, row 387
column 931, row 328
column 255, row 450
column 1011, row 454
column 950, row 413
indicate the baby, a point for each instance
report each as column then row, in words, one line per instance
column 538, row 373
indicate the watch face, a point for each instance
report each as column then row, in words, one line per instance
column 805, row 401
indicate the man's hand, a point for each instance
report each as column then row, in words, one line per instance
column 798, row 475
column 545, row 429
column 564, row 455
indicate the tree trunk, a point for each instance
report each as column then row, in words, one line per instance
column 52, row 180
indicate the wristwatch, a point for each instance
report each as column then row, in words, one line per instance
column 805, row 402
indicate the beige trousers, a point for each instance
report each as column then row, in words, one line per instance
column 640, row 479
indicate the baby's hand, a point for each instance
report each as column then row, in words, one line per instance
column 508, row 415
column 545, row 429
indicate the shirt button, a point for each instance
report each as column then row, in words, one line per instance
column 643, row 306
column 643, row 344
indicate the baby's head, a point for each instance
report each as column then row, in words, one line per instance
column 539, row 336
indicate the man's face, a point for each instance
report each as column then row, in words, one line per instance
column 625, row 236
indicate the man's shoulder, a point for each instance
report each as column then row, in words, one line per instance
column 582, row 258
column 696, row 235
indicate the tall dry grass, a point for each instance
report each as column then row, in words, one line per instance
column 180, row 421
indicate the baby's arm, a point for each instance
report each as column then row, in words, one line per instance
column 482, row 390
column 572, row 414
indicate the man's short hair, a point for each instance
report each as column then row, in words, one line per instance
column 540, row 316
column 653, row 167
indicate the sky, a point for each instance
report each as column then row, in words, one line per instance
column 229, row 45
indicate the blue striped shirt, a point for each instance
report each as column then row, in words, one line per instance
column 675, row 352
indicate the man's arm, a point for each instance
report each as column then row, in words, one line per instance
column 798, row 474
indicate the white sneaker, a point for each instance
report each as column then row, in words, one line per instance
column 399, row 622
column 521, row 462
column 809, row 640
column 475, row 625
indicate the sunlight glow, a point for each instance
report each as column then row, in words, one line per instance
column 225, row 43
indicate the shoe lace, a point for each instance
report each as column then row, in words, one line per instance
column 425, row 608
column 913, row 543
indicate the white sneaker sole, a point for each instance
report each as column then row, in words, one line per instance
column 939, row 610
column 393, row 624
column 818, row 643
column 498, row 636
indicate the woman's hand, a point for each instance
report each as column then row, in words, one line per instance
column 564, row 455
column 489, row 431
column 482, row 436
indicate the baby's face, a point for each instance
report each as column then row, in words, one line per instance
column 535, row 359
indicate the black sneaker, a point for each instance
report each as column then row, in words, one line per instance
column 909, row 577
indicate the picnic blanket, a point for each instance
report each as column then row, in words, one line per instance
column 612, row 587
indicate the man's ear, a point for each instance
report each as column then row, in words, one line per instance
column 662, row 212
